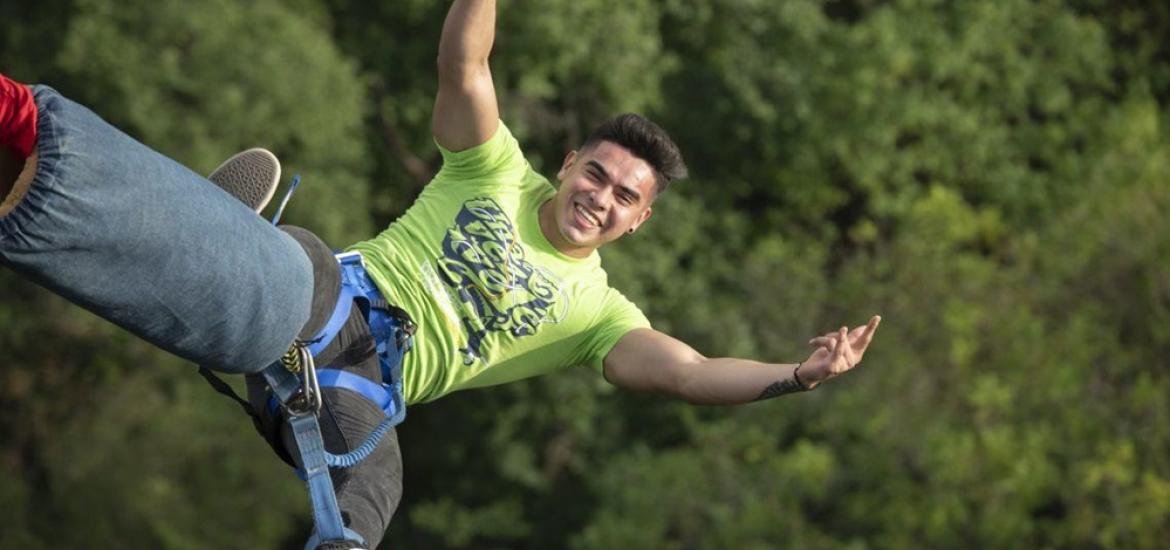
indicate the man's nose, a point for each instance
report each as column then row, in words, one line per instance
column 599, row 197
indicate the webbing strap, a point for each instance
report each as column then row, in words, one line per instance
column 326, row 514
column 336, row 320
column 366, row 388
column 316, row 461
column 284, row 384
column 224, row 389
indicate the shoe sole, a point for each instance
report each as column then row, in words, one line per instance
column 250, row 176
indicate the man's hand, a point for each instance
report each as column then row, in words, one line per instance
column 837, row 352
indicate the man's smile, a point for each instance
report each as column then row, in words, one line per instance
column 587, row 217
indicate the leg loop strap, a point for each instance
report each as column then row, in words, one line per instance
column 326, row 514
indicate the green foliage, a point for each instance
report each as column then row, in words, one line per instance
column 229, row 76
column 991, row 177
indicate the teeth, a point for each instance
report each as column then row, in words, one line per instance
column 589, row 215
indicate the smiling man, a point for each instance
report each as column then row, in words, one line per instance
column 608, row 188
column 497, row 268
column 501, row 267
column 501, row 271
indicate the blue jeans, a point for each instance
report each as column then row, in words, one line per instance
column 148, row 244
column 153, row 247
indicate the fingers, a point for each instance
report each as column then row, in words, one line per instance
column 858, row 345
column 830, row 339
column 823, row 342
column 844, row 347
column 847, row 354
column 858, row 338
column 866, row 337
column 826, row 340
column 839, row 353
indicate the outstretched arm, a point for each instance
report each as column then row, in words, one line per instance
column 648, row 360
column 466, row 113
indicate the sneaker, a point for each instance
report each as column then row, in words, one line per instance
column 250, row 176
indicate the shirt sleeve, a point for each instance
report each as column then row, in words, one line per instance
column 619, row 316
column 497, row 156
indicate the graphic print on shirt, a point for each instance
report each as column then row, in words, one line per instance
column 484, row 267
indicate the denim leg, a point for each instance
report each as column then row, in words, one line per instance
column 149, row 245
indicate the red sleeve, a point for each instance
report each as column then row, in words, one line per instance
column 18, row 117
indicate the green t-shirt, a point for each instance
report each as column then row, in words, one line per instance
column 493, row 299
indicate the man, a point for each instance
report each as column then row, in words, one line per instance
column 498, row 268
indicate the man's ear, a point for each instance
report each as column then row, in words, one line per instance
column 565, row 166
column 645, row 215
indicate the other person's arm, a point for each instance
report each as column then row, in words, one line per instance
column 648, row 360
column 466, row 113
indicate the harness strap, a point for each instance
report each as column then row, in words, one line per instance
column 326, row 514
column 366, row 388
column 224, row 389
column 285, row 385
column 340, row 314
column 390, row 343
column 391, row 328
column 315, row 468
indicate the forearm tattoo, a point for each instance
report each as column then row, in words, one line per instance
column 780, row 387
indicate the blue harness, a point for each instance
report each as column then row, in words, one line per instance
column 296, row 387
column 296, row 391
column 390, row 327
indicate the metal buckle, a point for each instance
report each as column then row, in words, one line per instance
column 299, row 360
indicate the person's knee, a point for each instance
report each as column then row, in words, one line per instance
column 326, row 278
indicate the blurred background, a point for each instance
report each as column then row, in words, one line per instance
column 990, row 176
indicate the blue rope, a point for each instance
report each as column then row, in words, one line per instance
column 287, row 195
column 359, row 454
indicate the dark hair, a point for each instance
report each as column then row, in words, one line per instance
column 645, row 140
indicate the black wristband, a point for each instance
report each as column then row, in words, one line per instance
column 796, row 376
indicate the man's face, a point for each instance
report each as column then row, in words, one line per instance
column 605, row 192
